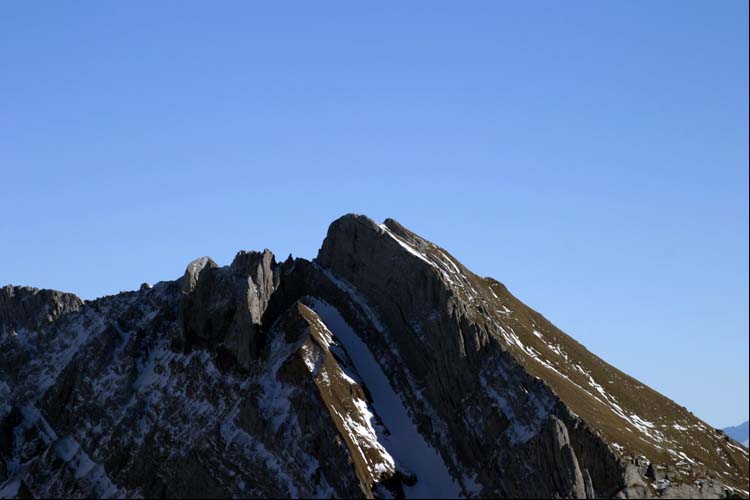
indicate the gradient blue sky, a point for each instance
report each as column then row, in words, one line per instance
column 593, row 156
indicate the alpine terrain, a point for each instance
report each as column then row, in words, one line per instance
column 382, row 368
column 739, row 432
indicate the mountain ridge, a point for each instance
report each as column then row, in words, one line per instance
column 739, row 432
column 264, row 350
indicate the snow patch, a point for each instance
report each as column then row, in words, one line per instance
column 406, row 246
column 405, row 443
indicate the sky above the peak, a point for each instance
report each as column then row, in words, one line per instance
column 592, row 156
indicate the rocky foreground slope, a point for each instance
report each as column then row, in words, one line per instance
column 383, row 368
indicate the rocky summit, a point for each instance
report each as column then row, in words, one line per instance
column 382, row 368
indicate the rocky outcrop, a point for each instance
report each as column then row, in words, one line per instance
column 27, row 308
column 221, row 308
column 558, row 465
column 453, row 331
column 383, row 368
column 441, row 345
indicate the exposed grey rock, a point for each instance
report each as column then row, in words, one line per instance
column 690, row 490
column 634, row 485
column 560, row 461
column 656, row 472
column 442, row 345
column 231, row 382
column 27, row 308
column 221, row 308
column 193, row 272
column 589, row 486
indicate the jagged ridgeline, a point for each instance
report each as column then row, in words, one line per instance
column 383, row 368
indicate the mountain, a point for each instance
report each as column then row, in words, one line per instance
column 739, row 433
column 382, row 368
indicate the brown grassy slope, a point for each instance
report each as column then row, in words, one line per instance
column 676, row 435
column 632, row 417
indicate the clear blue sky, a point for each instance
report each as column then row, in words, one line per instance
column 593, row 156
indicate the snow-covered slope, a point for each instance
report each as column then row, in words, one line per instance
column 383, row 368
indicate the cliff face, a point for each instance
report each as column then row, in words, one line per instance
column 27, row 308
column 383, row 368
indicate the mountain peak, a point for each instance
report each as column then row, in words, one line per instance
column 384, row 368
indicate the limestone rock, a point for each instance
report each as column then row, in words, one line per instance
column 382, row 368
column 27, row 308
column 221, row 308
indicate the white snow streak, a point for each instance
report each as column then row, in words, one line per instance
column 405, row 443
